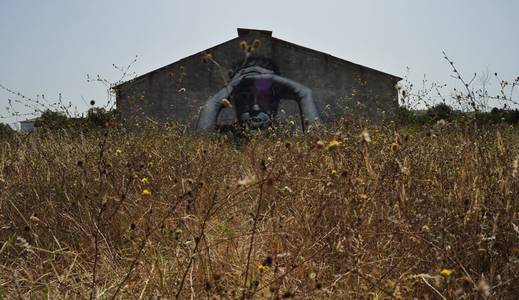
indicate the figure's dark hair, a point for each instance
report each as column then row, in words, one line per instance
column 260, row 61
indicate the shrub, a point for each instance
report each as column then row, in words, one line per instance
column 440, row 111
column 52, row 120
column 336, row 214
column 100, row 117
column 6, row 130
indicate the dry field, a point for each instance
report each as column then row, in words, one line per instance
column 348, row 213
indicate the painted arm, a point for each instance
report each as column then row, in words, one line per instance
column 310, row 116
column 209, row 114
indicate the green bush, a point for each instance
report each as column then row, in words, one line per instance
column 52, row 120
column 100, row 117
column 6, row 130
column 440, row 111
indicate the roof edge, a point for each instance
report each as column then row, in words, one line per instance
column 241, row 33
column 341, row 60
column 115, row 87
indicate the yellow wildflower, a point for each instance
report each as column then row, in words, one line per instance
column 144, row 180
column 334, row 144
column 261, row 267
column 146, row 192
column 118, row 152
column 446, row 272
column 333, row 172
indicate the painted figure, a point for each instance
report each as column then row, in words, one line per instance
column 254, row 91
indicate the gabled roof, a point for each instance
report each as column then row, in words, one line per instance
column 167, row 66
column 336, row 59
column 245, row 31
column 32, row 120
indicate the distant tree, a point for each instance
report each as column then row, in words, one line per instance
column 52, row 120
column 6, row 130
column 440, row 112
column 498, row 115
column 100, row 117
column 405, row 115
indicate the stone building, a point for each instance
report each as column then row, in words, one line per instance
column 176, row 92
column 27, row 126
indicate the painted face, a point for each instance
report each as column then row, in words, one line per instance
column 256, row 104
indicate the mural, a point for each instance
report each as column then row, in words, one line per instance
column 254, row 92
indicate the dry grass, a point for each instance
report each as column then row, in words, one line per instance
column 277, row 217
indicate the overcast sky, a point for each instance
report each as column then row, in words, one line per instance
column 48, row 47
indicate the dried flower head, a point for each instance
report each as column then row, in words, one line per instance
column 256, row 44
column 247, row 180
column 484, row 287
column 206, row 57
column 441, row 122
column 243, row 45
column 365, row 136
column 226, row 103
column 515, row 166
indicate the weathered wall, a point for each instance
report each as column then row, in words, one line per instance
column 338, row 85
column 175, row 93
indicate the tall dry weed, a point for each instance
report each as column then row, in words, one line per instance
column 351, row 212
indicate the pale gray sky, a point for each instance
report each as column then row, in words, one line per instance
column 48, row 47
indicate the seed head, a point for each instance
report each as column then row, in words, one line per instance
column 243, row 45
column 226, row 102
column 256, row 44
column 365, row 136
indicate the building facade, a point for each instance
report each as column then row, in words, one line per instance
column 177, row 92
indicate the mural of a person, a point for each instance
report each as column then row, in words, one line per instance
column 255, row 90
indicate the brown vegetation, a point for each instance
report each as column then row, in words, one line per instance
column 350, row 213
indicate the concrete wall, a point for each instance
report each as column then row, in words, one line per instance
column 341, row 88
column 27, row 126
column 175, row 93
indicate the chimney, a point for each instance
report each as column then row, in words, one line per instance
column 245, row 31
